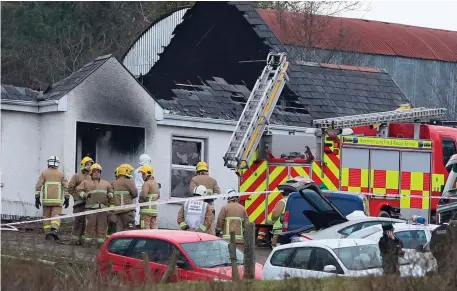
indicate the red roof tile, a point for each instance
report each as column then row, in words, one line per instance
column 363, row 36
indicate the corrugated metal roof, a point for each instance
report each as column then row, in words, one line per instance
column 364, row 36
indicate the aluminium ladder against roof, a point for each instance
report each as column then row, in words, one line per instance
column 257, row 112
column 411, row 115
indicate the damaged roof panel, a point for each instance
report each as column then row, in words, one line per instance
column 10, row 92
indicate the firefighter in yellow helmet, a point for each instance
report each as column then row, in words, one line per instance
column 98, row 194
column 52, row 183
column 202, row 178
column 150, row 191
column 124, row 192
column 79, row 222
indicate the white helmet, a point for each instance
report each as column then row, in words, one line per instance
column 53, row 161
column 200, row 191
column 231, row 191
column 145, row 160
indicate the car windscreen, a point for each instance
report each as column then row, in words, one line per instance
column 210, row 254
column 362, row 257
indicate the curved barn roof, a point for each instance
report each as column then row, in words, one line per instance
column 363, row 36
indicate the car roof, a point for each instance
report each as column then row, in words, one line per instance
column 377, row 229
column 177, row 236
column 359, row 220
column 330, row 243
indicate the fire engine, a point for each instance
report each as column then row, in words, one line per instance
column 399, row 152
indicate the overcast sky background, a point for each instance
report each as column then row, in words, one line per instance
column 433, row 14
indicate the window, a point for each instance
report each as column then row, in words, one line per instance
column 350, row 229
column 317, row 201
column 448, row 149
column 185, row 154
column 321, row 258
column 279, row 258
column 412, row 238
column 119, row 246
column 158, row 251
column 301, row 258
column 210, row 254
column 358, row 258
column 371, row 223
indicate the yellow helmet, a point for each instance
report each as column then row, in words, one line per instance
column 95, row 166
column 84, row 161
column 202, row 166
column 147, row 170
column 126, row 170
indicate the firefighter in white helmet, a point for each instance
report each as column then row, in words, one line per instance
column 195, row 215
column 231, row 218
column 202, row 178
column 54, row 186
column 79, row 222
column 138, row 178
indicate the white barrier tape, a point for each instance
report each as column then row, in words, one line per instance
column 134, row 206
column 195, row 198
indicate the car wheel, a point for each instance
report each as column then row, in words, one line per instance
column 383, row 214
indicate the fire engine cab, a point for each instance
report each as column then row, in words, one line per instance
column 397, row 158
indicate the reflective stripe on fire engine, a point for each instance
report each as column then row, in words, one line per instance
column 415, row 183
column 384, row 181
column 354, row 180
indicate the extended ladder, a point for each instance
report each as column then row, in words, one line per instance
column 410, row 115
column 257, row 112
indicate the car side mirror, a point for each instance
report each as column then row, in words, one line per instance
column 183, row 264
column 330, row 269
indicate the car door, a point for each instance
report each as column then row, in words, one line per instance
column 159, row 253
column 321, row 257
column 411, row 239
column 118, row 262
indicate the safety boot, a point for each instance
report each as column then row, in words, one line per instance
column 55, row 234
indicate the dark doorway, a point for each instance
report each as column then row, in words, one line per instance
column 108, row 145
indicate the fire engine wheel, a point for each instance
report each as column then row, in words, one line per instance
column 383, row 214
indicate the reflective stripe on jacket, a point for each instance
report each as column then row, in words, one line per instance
column 277, row 226
column 101, row 193
column 194, row 214
column 149, row 192
column 231, row 218
column 52, row 183
column 124, row 192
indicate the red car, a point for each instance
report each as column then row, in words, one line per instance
column 202, row 256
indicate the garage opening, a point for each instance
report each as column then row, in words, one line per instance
column 108, row 145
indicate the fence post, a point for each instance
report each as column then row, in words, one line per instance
column 249, row 251
column 168, row 275
column 147, row 268
column 233, row 260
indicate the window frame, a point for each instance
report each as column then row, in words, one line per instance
column 411, row 237
column 184, row 167
column 290, row 260
column 287, row 260
column 449, row 140
column 126, row 251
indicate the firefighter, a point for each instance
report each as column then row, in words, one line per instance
column 278, row 210
column 231, row 218
column 149, row 192
column 195, row 215
column 202, row 178
column 52, row 183
column 443, row 245
column 79, row 222
column 98, row 194
column 138, row 178
column 124, row 191
column 391, row 248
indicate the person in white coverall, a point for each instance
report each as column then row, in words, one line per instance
column 138, row 178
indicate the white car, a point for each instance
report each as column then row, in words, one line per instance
column 415, row 239
column 330, row 257
column 344, row 229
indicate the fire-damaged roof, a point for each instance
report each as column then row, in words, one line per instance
column 212, row 62
column 10, row 92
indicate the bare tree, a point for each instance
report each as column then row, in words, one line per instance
column 304, row 24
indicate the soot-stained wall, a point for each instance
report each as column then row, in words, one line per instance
column 111, row 96
column 211, row 41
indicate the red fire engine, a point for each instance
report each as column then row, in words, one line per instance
column 392, row 152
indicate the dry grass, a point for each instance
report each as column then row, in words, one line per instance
column 38, row 276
